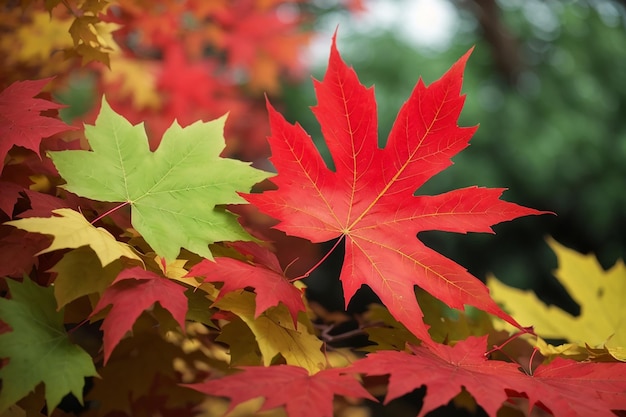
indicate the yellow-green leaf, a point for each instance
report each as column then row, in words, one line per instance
column 275, row 333
column 80, row 273
column 241, row 342
column 71, row 230
column 599, row 293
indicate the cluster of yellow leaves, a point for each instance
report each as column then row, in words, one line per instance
column 599, row 330
column 92, row 38
column 38, row 38
column 38, row 43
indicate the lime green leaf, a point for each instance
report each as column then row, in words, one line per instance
column 38, row 348
column 71, row 230
column 600, row 294
column 173, row 191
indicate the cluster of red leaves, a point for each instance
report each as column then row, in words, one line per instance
column 202, row 60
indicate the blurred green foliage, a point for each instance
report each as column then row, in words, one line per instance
column 556, row 137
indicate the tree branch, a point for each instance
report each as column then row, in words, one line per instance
column 504, row 46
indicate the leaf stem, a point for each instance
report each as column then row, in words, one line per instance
column 530, row 361
column 506, row 342
column 73, row 329
column 106, row 213
column 290, row 263
column 321, row 261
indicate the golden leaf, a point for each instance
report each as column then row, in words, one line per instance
column 70, row 229
column 599, row 293
column 275, row 333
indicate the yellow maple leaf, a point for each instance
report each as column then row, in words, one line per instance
column 36, row 41
column 70, row 229
column 93, row 39
column 275, row 333
column 599, row 293
column 79, row 273
column 43, row 37
column 134, row 79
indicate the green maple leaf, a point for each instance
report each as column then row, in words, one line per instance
column 176, row 192
column 38, row 348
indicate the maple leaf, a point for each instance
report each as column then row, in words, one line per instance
column 133, row 291
column 71, row 230
column 92, row 38
column 276, row 333
column 599, row 293
column 173, row 191
column 303, row 395
column 21, row 123
column 42, row 37
column 243, row 349
column 263, row 273
column 80, row 273
column 18, row 251
column 368, row 201
column 38, row 348
column 9, row 194
column 565, row 387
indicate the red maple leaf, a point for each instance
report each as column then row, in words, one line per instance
column 9, row 194
column 564, row 387
column 21, row 123
column 303, row 395
column 133, row 291
column 368, row 200
column 263, row 273
column 18, row 251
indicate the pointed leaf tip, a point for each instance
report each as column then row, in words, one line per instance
column 370, row 197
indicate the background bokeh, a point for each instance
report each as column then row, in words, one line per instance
column 547, row 84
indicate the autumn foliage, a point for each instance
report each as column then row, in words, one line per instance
column 138, row 277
